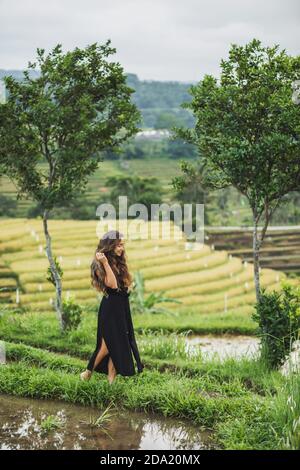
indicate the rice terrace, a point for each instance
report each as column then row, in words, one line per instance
column 136, row 342
column 208, row 393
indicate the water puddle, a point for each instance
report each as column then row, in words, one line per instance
column 46, row 424
column 238, row 346
column 235, row 346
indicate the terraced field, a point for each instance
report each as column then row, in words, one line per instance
column 240, row 402
column 206, row 281
column 280, row 250
column 161, row 168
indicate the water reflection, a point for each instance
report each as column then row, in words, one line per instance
column 235, row 346
column 40, row 424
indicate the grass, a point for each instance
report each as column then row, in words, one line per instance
column 280, row 419
column 246, row 405
column 51, row 423
column 241, row 401
column 161, row 354
column 234, row 399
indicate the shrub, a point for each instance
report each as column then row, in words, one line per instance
column 142, row 304
column 278, row 316
column 72, row 314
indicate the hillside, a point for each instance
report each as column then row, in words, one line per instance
column 158, row 101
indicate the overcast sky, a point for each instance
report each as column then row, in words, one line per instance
column 155, row 39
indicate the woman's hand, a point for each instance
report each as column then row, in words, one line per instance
column 101, row 257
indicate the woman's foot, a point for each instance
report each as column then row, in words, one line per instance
column 111, row 380
column 86, row 375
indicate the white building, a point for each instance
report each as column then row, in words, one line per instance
column 152, row 134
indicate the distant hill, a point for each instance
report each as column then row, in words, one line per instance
column 18, row 74
column 159, row 101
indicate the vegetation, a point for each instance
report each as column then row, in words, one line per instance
column 72, row 313
column 142, row 304
column 159, row 102
column 50, row 423
column 278, row 317
column 78, row 106
column 199, row 278
column 138, row 190
column 247, row 129
column 240, row 401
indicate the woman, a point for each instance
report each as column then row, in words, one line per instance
column 115, row 334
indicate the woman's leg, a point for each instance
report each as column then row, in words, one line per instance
column 101, row 354
column 95, row 359
column 111, row 371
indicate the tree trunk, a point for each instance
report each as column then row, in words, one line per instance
column 55, row 273
column 256, row 246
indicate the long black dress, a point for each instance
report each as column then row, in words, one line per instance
column 115, row 326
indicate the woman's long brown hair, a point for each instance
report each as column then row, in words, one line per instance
column 117, row 263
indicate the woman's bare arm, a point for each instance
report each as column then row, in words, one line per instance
column 110, row 278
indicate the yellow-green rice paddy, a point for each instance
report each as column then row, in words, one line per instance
column 206, row 281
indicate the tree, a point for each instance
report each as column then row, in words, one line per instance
column 166, row 120
column 176, row 148
column 138, row 190
column 8, row 206
column 247, row 130
column 54, row 126
column 189, row 187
